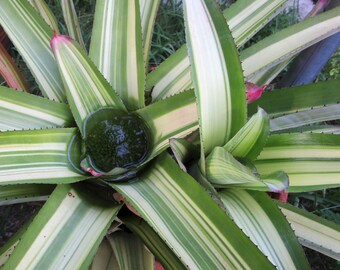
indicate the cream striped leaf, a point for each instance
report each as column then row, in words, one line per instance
column 261, row 220
column 314, row 232
column 13, row 194
column 327, row 129
column 170, row 77
column 251, row 138
column 323, row 114
column 45, row 13
column 153, row 242
column 223, row 170
column 131, row 252
column 72, row 23
column 39, row 156
column 148, row 10
column 184, row 151
column 288, row 42
column 216, row 72
column 117, row 49
column 246, row 17
column 173, row 75
column 21, row 110
column 174, row 117
column 189, row 220
column 86, row 89
column 31, row 35
column 65, row 234
column 312, row 161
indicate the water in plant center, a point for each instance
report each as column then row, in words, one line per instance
column 116, row 139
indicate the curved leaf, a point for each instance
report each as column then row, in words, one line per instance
column 86, row 89
column 31, row 36
column 66, row 232
column 189, row 220
column 261, row 220
column 216, row 72
column 117, row 49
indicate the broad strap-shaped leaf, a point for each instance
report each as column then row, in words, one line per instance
column 117, row 49
column 86, row 89
column 31, row 36
column 12, row 194
column 45, row 13
column 327, row 129
column 175, row 117
column 251, row 138
column 295, row 99
column 312, row 161
column 170, row 77
column 262, row 221
column 314, row 232
column 148, row 12
column 66, row 232
column 72, row 22
column 40, row 156
column 189, row 220
column 216, row 72
column 223, row 170
column 246, row 17
column 173, row 75
column 282, row 45
column 130, row 251
column 323, row 114
column 154, row 243
column 10, row 72
column 104, row 259
column 24, row 111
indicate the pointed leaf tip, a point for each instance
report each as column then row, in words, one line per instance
column 58, row 38
column 254, row 92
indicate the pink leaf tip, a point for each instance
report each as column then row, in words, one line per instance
column 57, row 39
column 254, row 92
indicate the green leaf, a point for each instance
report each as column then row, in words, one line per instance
column 154, row 243
column 223, row 170
column 45, row 13
column 130, row 251
column 216, row 72
column 261, row 220
column 10, row 72
column 31, row 35
column 246, row 17
column 312, row 161
column 299, row 98
column 174, row 117
column 72, row 23
column 170, row 77
column 40, row 156
column 24, row 193
column 288, row 42
column 66, row 232
column 251, row 138
column 117, row 49
column 86, row 89
column 104, row 258
column 327, row 129
column 21, row 110
column 314, row 232
column 148, row 10
column 189, row 220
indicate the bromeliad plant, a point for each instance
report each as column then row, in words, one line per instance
column 97, row 142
